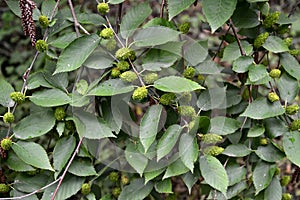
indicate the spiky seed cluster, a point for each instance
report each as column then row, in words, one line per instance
column 286, row 196
column 294, row 52
column 123, row 65
column 103, row 8
column 271, row 19
column 185, row 97
column 272, row 96
column 186, row 111
column 288, row 41
column 60, row 113
column 116, row 192
column 111, row 44
column 124, row 179
column 282, row 29
column 189, row 72
column 17, row 97
column 210, row 138
column 213, row 150
column 115, row 72
column 166, row 99
column 43, row 21
column 113, row 176
column 150, row 78
column 4, row 188
column 85, row 188
column 26, row 7
column 41, row 46
column 6, row 144
column 275, row 73
column 263, row 141
column 8, row 118
column 125, row 53
column 285, row 180
column 107, row 33
column 140, row 93
column 295, row 125
column 184, row 27
column 277, row 171
column 261, row 39
column 292, row 109
column 128, row 76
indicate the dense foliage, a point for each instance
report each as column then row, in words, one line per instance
column 177, row 99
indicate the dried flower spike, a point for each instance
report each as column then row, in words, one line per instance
column 28, row 25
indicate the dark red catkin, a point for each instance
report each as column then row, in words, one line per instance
column 28, row 25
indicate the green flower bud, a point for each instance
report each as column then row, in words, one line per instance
column 294, row 52
column 114, row 176
column 70, row 125
column 210, row 138
column 111, row 44
column 295, row 125
column 125, row 53
column 271, row 19
column 140, row 93
column 85, row 188
column 124, row 180
column 187, row 111
column 115, row 72
column 184, row 27
column 107, row 33
column 286, row 196
column 285, row 180
column 41, row 46
column 123, row 65
column 17, row 97
column 263, row 141
column 189, row 72
column 272, row 96
column 261, row 39
column 213, row 150
column 6, row 144
column 292, row 109
column 4, row 188
column 166, row 99
column 275, row 73
column 288, row 41
column 282, row 29
column 60, row 113
column 103, row 8
column 116, row 192
column 44, row 21
column 200, row 77
column 128, row 76
column 277, row 171
column 8, row 118
column 150, row 78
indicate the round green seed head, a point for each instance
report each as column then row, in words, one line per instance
column 8, row 118
column 6, row 144
column 272, row 96
column 150, row 78
column 261, row 39
column 115, row 72
column 211, row 138
column 213, row 150
column 278, row 170
column 124, row 179
column 288, row 41
column 107, row 33
column 116, row 192
column 189, row 72
column 70, row 125
column 43, row 21
column 292, row 109
column 166, row 99
column 41, row 46
column 282, row 29
column 60, row 113
column 123, row 65
column 103, row 8
column 184, row 27
column 295, row 125
column 285, row 180
column 128, row 76
column 286, row 196
column 114, row 176
column 271, row 19
column 125, row 53
column 185, row 97
column 111, row 44
column 275, row 73
column 187, row 111
column 17, row 97
column 4, row 188
column 294, row 52
column 85, row 188
column 263, row 141
column 140, row 93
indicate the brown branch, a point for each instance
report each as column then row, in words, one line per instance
column 243, row 53
column 163, row 4
column 76, row 24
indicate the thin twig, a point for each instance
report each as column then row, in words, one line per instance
column 243, row 53
column 163, row 4
column 110, row 26
column 220, row 45
column 74, row 17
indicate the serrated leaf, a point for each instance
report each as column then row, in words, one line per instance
column 190, row 179
column 176, row 84
column 47, row 7
column 74, row 55
column 155, row 59
column 135, row 158
column 269, row 153
column 168, row 140
column 110, row 87
column 235, row 173
column 237, row 150
column 133, row 18
column 50, row 98
column 245, row 17
column 242, row 64
column 82, row 167
column 32, row 126
column 175, row 168
column 217, row 12
column 257, row 72
column 256, row 131
column 188, row 150
column 214, row 173
column 274, row 191
column 5, row 90
column 232, row 51
column 291, row 65
column 136, row 190
column 32, row 154
column 63, row 41
column 26, row 183
column 291, row 145
column 15, row 163
column 149, row 126
column 286, row 81
column 262, row 175
column 224, row 125
column 149, row 175
column 164, row 186
column 275, row 44
column 177, row 6
column 261, row 108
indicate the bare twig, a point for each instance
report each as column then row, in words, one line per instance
column 116, row 35
column 163, row 4
column 76, row 24
column 243, row 53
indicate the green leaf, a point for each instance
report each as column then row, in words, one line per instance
column 32, row 154
column 74, row 55
column 136, row 190
column 269, row 153
column 82, row 167
column 176, row 84
column 157, row 21
column 47, row 7
column 274, row 191
column 224, row 125
column 50, row 98
column 195, row 52
column 35, row 125
column 217, row 12
column 15, row 163
column 155, row 59
column 232, row 191
column 236, row 173
column 133, row 18
column 275, row 127
column 164, row 186
column 214, row 173
column 177, row 6
column 115, row 1
column 256, row 131
column 244, row 17
column 135, row 158
column 90, row 126
column 188, row 150
column 242, row 64
column 59, row 81
column 175, row 168
column 111, row 87
column 60, row 155
column 149, row 175
column 168, row 140
column 28, row 183
column 156, row 35
column 190, row 179
column 291, row 65
column 261, row 108
column 237, row 150
column 5, row 90
column 64, row 40
column 291, row 145
column 262, row 175
column 275, row 44
column 286, row 81
column 232, row 51
column 257, row 72
column 209, row 67
column 212, row 98
column 149, row 126
column 99, row 60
